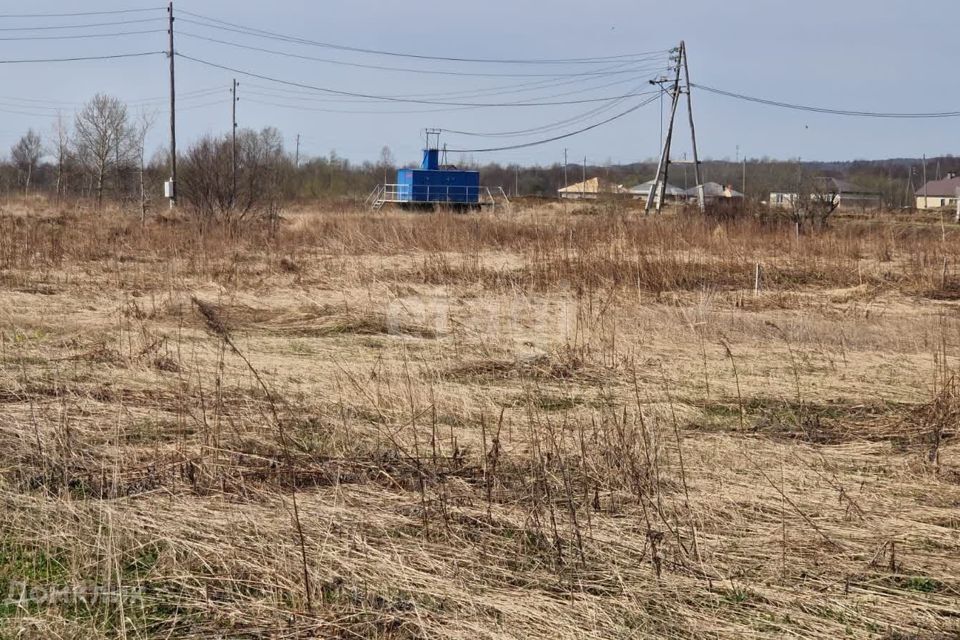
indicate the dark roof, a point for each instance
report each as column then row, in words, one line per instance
column 836, row 185
column 946, row 188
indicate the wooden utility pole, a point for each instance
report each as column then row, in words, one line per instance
column 743, row 184
column 583, row 189
column 233, row 148
column 925, row 194
column 172, row 185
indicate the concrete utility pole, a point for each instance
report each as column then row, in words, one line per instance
column 659, row 183
column 566, row 182
column 233, row 148
column 658, row 192
column 172, row 185
column 693, row 129
column 298, row 153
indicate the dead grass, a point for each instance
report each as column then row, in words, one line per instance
column 402, row 426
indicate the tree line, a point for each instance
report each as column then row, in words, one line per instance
column 100, row 155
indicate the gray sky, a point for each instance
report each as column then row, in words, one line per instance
column 848, row 54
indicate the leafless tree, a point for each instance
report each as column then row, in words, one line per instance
column 814, row 202
column 26, row 154
column 102, row 138
column 61, row 152
column 140, row 130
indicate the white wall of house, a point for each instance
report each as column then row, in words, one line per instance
column 936, row 202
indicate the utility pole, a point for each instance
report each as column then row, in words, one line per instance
column 657, row 193
column 233, row 146
column 655, row 197
column 743, row 186
column 583, row 189
column 171, row 190
column 925, row 195
column 566, row 181
column 516, row 182
column 693, row 128
column 298, row 153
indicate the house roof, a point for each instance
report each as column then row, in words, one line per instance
column 714, row 190
column 646, row 187
column 940, row 188
column 594, row 186
column 836, row 185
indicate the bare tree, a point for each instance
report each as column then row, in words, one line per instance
column 61, row 152
column 26, row 154
column 140, row 130
column 814, row 201
column 102, row 137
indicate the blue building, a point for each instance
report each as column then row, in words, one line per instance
column 434, row 184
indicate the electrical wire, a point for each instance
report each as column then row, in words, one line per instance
column 358, row 65
column 115, row 56
column 523, row 87
column 467, row 96
column 237, row 28
column 402, row 100
column 84, row 36
column 543, row 128
column 561, row 137
column 836, row 112
column 81, row 26
column 78, row 13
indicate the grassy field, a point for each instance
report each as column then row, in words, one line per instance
column 541, row 424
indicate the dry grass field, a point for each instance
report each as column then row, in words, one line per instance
column 528, row 425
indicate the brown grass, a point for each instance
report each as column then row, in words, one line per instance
column 423, row 426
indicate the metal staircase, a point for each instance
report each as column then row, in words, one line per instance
column 376, row 199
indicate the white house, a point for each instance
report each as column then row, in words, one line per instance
column 939, row 194
column 592, row 189
column 844, row 194
column 670, row 192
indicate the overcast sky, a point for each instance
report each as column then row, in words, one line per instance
column 849, row 54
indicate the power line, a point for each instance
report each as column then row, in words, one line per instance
column 543, row 128
column 83, row 36
column 836, row 112
column 561, row 137
column 237, row 28
column 469, row 95
column 376, row 67
column 77, row 14
column 84, row 58
column 403, row 100
column 80, row 26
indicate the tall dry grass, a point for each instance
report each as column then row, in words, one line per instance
column 226, row 423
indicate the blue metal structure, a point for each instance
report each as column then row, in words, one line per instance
column 435, row 184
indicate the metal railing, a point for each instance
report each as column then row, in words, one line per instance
column 433, row 194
